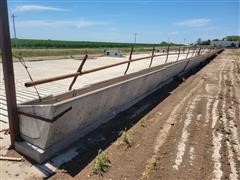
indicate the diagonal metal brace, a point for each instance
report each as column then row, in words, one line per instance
column 179, row 51
column 153, row 51
column 188, row 52
column 199, row 51
column 167, row 54
column 129, row 61
column 79, row 70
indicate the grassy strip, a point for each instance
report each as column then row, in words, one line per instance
column 69, row 52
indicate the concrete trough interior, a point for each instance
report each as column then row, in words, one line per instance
column 56, row 122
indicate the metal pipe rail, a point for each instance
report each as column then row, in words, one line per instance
column 79, row 73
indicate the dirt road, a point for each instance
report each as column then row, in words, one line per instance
column 184, row 131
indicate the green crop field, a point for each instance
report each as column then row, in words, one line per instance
column 31, row 43
column 37, row 48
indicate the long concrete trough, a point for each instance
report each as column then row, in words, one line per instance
column 56, row 122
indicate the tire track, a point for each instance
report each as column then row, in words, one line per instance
column 226, row 114
column 217, row 136
column 163, row 134
column 233, row 172
column 185, row 134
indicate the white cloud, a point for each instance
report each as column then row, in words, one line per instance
column 36, row 8
column 58, row 24
column 194, row 22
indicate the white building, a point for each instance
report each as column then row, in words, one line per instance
column 225, row 43
column 113, row 53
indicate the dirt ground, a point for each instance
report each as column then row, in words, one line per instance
column 188, row 130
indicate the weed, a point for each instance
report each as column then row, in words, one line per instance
column 102, row 163
column 125, row 138
column 142, row 123
column 151, row 164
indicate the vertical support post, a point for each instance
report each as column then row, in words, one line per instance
column 153, row 50
column 8, row 72
column 135, row 38
column 188, row 52
column 130, row 58
column 179, row 50
column 167, row 53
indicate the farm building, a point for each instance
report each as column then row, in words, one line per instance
column 225, row 43
column 113, row 53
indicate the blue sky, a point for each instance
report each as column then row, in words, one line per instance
column 117, row 20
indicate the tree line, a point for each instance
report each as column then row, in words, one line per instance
column 35, row 44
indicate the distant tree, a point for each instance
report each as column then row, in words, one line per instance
column 232, row 38
column 215, row 39
column 199, row 41
column 206, row 42
column 163, row 43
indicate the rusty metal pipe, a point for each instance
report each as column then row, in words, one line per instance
column 167, row 54
column 179, row 50
column 79, row 70
column 43, row 81
column 188, row 52
column 129, row 60
column 199, row 51
column 61, row 77
column 153, row 50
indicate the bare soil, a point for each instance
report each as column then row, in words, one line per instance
column 187, row 130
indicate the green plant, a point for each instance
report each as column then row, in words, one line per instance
column 125, row 139
column 142, row 123
column 102, row 163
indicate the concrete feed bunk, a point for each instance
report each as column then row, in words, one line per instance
column 56, row 122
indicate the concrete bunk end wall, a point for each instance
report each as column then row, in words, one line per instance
column 43, row 139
